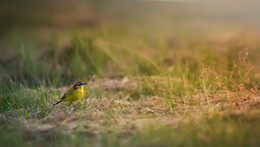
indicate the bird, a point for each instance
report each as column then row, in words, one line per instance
column 73, row 94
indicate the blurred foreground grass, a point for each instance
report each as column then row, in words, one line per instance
column 154, row 80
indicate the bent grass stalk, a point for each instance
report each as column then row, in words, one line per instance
column 168, row 103
column 206, row 90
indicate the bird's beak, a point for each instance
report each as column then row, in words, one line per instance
column 84, row 83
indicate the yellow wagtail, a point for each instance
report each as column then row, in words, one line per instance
column 73, row 94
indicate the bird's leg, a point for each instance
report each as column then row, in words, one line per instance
column 79, row 104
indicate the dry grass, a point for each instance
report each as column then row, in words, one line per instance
column 153, row 80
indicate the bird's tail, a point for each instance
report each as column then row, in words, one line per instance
column 56, row 103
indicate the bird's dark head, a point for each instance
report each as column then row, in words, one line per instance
column 79, row 84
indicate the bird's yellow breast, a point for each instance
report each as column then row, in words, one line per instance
column 74, row 94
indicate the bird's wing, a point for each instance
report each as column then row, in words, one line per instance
column 68, row 92
column 63, row 97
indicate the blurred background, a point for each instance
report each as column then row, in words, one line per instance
column 62, row 41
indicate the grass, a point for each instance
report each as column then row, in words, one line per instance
column 111, row 115
column 150, row 82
